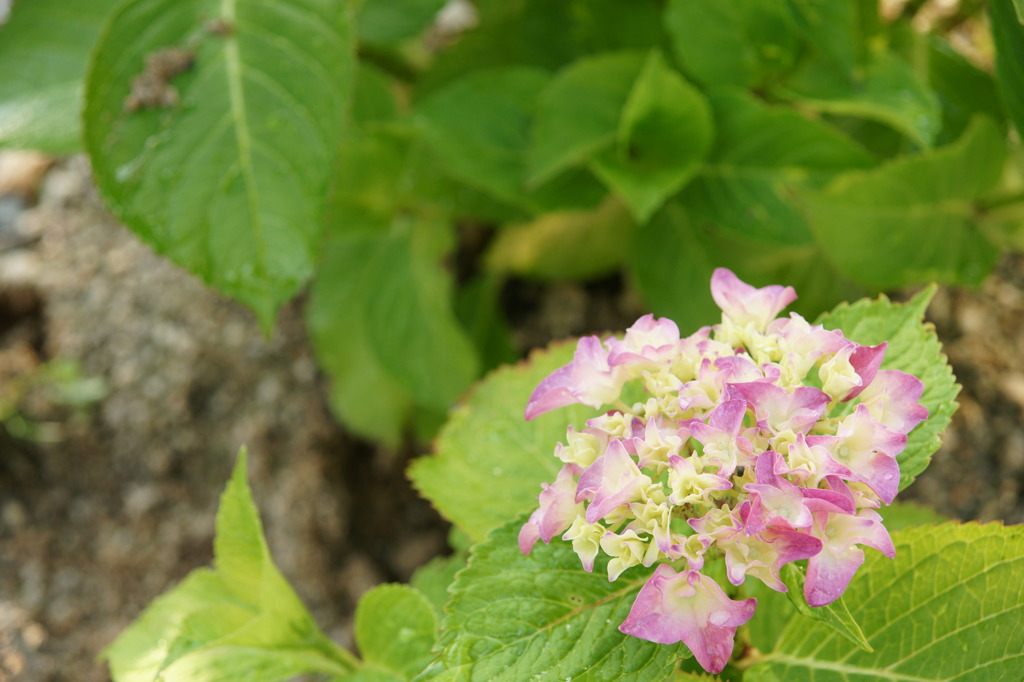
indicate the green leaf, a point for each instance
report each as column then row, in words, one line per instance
column 774, row 610
column 900, row 515
column 887, row 89
column 835, row 615
column 547, row 35
column 682, row 676
column 949, row 606
column 746, row 43
column 373, row 99
column 411, row 318
column 567, row 245
column 1008, row 36
column 478, row 307
column 663, row 135
column 435, row 577
column 913, row 220
column 395, row 628
column 44, row 47
column 212, row 128
column 963, row 89
column 832, row 28
column 371, row 674
column 136, row 655
column 385, row 170
column 671, row 260
column 541, row 616
column 762, row 154
column 371, row 184
column 579, row 113
column 670, row 263
column 471, row 485
column 367, row 397
column 385, row 22
column 913, row 348
column 575, row 190
column 478, row 128
column 380, row 318
column 239, row 621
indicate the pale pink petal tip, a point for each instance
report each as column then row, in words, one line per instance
column 688, row 607
column 831, row 570
column 745, row 304
column 528, row 536
column 553, row 392
column 866, row 361
column 557, row 510
column 587, row 379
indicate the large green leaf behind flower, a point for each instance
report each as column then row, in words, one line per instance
column 489, row 461
column 913, row 348
column 222, row 162
column 948, row 607
column 513, row 617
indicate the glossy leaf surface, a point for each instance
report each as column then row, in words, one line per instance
column 212, row 129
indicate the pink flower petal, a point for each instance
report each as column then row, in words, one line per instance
column 557, row 510
column 774, row 498
column 837, row 499
column 689, row 487
column 868, row 449
column 688, row 607
column 796, row 335
column 662, row 440
column 614, row 480
column 720, row 437
column 744, row 304
column 761, row 550
column 528, row 535
column 777, row 409
column 588, row 379
column 865, row 361
column 811, row 460
column 553, row 392
column 650, row 342
column 892, row 398
column 831, row 570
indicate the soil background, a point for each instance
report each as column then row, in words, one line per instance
column 111, row 501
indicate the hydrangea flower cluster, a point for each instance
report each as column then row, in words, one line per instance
column 762, row 440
